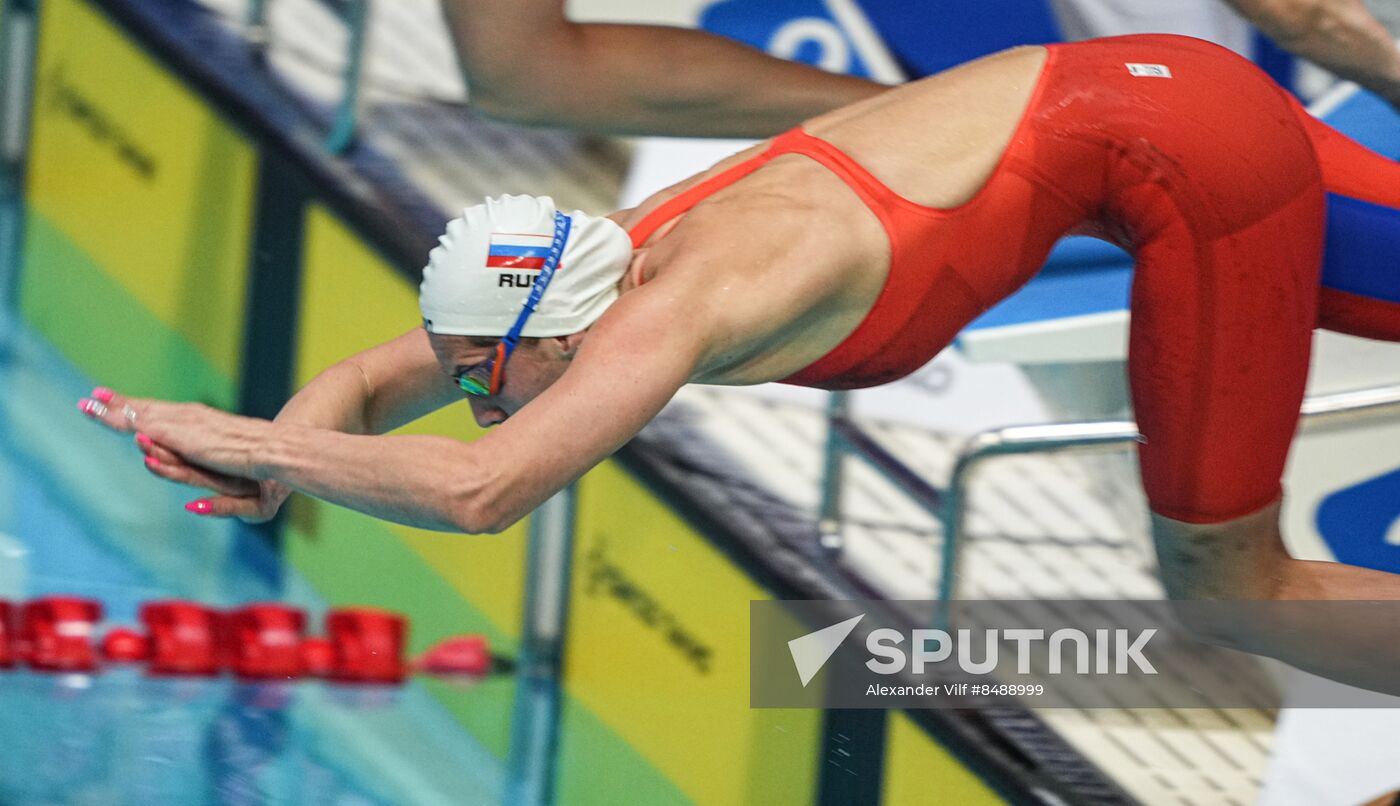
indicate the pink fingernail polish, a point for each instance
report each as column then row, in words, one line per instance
column 103, row 394
column 86, row 406
column 152, row 462
column 144, row 441
column 199, row 507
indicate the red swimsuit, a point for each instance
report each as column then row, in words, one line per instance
column 1192, row 159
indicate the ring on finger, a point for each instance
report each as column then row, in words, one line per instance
column 129, row 414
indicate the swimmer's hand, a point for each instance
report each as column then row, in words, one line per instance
column 236, row 495
column 259, row 508
column 248, row 500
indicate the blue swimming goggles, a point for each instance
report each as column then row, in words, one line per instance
column 485, row 379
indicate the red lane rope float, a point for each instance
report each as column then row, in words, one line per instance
column 368, row 645
column 463, row 655
column 317, row 657
column 260, row 641
column 125, row 645
column 7, row 640
column 264, row 641
column 183, row 638
column 56, row 632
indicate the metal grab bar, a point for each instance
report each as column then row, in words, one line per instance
column 1058, row 437
column 949, row 505
column 18, row 32
column 355, row 15
column 534, row 735
column 18, row 47
column 833, row 474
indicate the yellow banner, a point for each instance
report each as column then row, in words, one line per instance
column 658, row 650
column 143, row 178
column 920, row 770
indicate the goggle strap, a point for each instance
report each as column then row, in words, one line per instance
column 562, row 225
column 497, row 367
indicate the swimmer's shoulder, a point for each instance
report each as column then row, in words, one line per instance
column 630, row 217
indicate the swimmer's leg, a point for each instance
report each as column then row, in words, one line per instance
column 1388, row 799
column 1245, row 559
column 1361, row 276
column 1218, row 360
column 1218, row 352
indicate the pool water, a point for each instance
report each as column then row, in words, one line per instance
column 80, row 516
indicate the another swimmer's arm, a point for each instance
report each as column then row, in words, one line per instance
column 1340, row 35
column 525, row 62
column 632, row 362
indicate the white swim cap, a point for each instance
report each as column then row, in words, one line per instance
column 477, row 279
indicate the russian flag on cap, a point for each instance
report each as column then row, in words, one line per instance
column 518, row 251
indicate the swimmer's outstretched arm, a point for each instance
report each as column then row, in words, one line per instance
column 630, row 365
column 371, row 392
column 374, row 391
column 526, row 62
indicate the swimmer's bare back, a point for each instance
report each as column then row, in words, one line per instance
column 797, row 237
column 934, row 141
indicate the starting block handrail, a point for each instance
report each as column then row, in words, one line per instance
column 949, row 505
column 18, row 44
column 355, row 15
